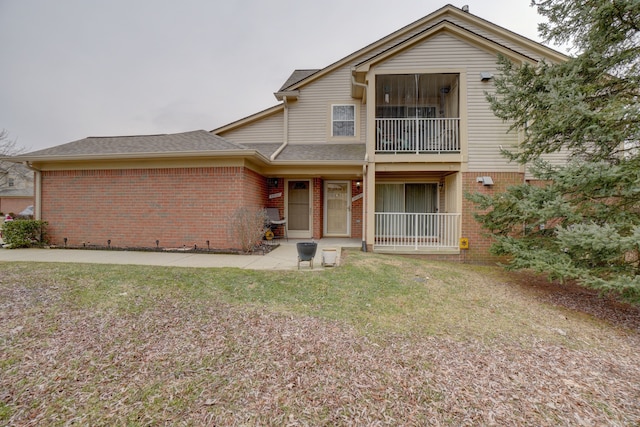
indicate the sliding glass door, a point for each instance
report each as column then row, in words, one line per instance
column 406, row 208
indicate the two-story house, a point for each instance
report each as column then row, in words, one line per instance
column 380, row 146
column 16, row 187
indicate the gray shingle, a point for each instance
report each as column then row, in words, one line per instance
column 265, row 149
column 297, row 76
column 324, row 152
column 199, row 140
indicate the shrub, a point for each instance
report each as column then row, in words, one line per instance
column 24, row 233
column 248, row 227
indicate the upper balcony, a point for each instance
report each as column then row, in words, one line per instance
column 417, row 113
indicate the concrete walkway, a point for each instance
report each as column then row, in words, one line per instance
column 284, row 257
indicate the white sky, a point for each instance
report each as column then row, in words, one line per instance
column 76, row 68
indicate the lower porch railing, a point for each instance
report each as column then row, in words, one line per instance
column 417, row 230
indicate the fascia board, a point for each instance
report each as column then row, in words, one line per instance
column 142, row 156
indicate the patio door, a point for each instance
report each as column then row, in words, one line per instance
column 405, row 199
column 337, row 209
column 299, row 208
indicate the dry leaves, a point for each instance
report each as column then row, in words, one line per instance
column 184, row 363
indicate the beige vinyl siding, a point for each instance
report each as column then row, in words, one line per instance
column 310, row 116
column 269, row 129
column 485, row 132
column 559, row 158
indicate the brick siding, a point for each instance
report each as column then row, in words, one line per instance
column 136, row 207
column 479, row 242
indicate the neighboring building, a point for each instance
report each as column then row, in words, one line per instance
column 16, row 187
column 380, row 146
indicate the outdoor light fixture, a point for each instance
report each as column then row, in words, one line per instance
column 485, row 180
column 358, row 183
column 273, row 181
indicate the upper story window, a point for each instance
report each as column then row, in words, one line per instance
column 343, row 120
column 11, row 182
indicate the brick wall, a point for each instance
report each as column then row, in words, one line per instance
column 134, row 208
column 479, row 242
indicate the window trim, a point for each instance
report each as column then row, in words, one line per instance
column 356, row 122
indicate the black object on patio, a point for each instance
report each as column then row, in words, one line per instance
column 306, row 252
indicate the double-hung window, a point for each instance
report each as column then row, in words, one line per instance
column 343, row 120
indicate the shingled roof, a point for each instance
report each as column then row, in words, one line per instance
column 307, row 153
column 326, row 152
column 187, row 142
column 297, row 76
column 192, row 143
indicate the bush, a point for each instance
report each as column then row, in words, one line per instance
column 24, row 233
column 248, row 227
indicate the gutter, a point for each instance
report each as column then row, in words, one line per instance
column 139, row 156
column 285, row 135
column 362, row 85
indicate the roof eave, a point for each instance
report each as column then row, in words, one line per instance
column 139, row 156
column 319, row 162
column 289, row 94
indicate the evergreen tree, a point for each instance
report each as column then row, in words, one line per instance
column 584, row 223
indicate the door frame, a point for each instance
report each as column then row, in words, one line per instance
column 299, row 234
column 348, row 209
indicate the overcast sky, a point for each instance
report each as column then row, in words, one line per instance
column 76, row 68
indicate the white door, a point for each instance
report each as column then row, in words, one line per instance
column 337, row 208
column 299, row 208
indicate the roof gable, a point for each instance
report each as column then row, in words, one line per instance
column 442, row 26
column 412, row 33
column 445, row 14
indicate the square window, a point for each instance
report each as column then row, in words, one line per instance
column 343, row 120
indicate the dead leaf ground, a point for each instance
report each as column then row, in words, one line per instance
column 180, row 362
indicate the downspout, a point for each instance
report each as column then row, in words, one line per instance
column 285, row 135
column 365, row 188
column 37, row 213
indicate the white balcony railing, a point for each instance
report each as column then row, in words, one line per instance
column 402, row 135
column 417, row 231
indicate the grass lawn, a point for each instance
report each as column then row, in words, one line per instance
column 381, row 340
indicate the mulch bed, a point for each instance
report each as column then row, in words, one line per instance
column 575, row 297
